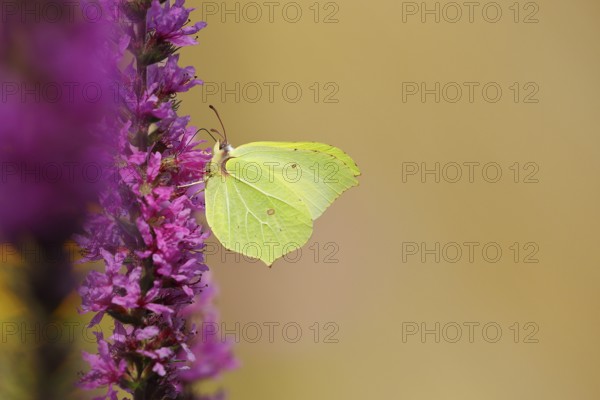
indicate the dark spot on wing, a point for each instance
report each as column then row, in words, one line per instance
column 294, row 165
column 270, row 211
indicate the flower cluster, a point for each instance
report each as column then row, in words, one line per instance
column 147, row 234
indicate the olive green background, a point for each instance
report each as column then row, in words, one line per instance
column 371, row 292
column 365, row 302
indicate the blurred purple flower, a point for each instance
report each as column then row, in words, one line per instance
column 55, row 89
column 213, row 355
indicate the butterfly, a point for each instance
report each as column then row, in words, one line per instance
column 262, row 197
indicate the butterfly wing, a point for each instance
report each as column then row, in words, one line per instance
column 255, row 217
column 317, row 172
column 264, row 203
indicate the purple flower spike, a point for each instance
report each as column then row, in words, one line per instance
column 155, row 277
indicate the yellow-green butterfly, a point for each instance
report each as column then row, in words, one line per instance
column 262, row 197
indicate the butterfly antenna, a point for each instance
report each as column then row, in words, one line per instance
column 221, row 121
column 194, row 135
column 220, row 134
column 207, row 131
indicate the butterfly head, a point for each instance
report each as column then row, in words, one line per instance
column 222, row 148
column 220, row 156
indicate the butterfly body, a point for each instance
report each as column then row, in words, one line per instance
column 220, row 156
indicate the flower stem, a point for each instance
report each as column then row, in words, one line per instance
column 50, row 280
column 142, row 72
